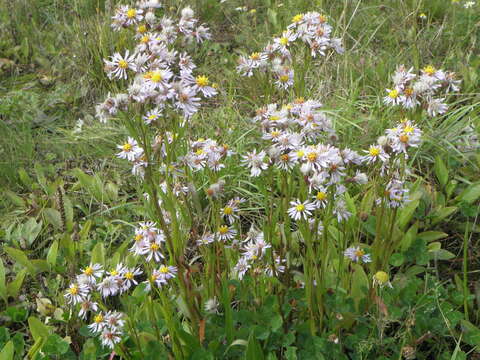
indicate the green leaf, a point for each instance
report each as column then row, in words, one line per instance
column 14, row 198
column 414, row 270
column 17, row 314
column 25, row 178
column 52, row 253
column 37, row 328
column 239, row 342
column 291, row 353
column 432, row 235
column 68, row 213
column 55, row 345
column 441, row 171
column 471, row 333
column 409, row 236
column 40, row 265
column 442, row 254
column 3, row 286
column 254, row 350
column 276, row 322
column 98, row 254
column 406, row 214
column 470, row 194
column 439, row 214
column 434, row 246
column 4, row 335
column 53, row 217
column 397, row 259
column 272, row 17
column 359, row 285
column 7, row 351
column 35, row 348
column 20, row 257
column 14, row 287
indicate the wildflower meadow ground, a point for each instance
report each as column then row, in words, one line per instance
column 239, row 179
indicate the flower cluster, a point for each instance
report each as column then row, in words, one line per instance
column 411, row 90
column 310, row 28
column 396, row 141
column 93, row 285
column 161, row 75
column 94, row 282
column 253, row 251
column 297, row 134
column 206, row 153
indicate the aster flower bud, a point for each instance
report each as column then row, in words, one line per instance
column 150, row 17
column 187, row 13
column 382, row 140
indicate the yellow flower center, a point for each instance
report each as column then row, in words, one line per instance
column 88, row 271
column 297, row 18
column 284, row 157
column 114, row 272
column 275, row 133
column 163, row 269
column 408, row 129
column 98, row 318
column 312, row 156
column 145, row 39
column 127, row 147
column 228, row 210
column 152, row 117
column 122, row 64
column 381, row 277
column 129, row 275
column 274, row 118
column 131, row 13
column 322, row 18
column 299, row 100
column 403, row 138
column 154, row 247
column 408, row 91
column 283, row 40
column 202, row 81
column 223, row 229
column 393, row 94
column 138, row 237
column 284, row 78
column 321, row 196
column 429, row 70
column 199, row 152
column 255, row 56
column 300, row 153
column 156, row 76
column 153, row 277
column 73, row 290
column 148, row 75
column 300, row 207
column 141, row 29
column 359, row 253
column 374, row 151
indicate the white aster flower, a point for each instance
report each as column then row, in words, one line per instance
column 357, row 254
column 300, row 210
